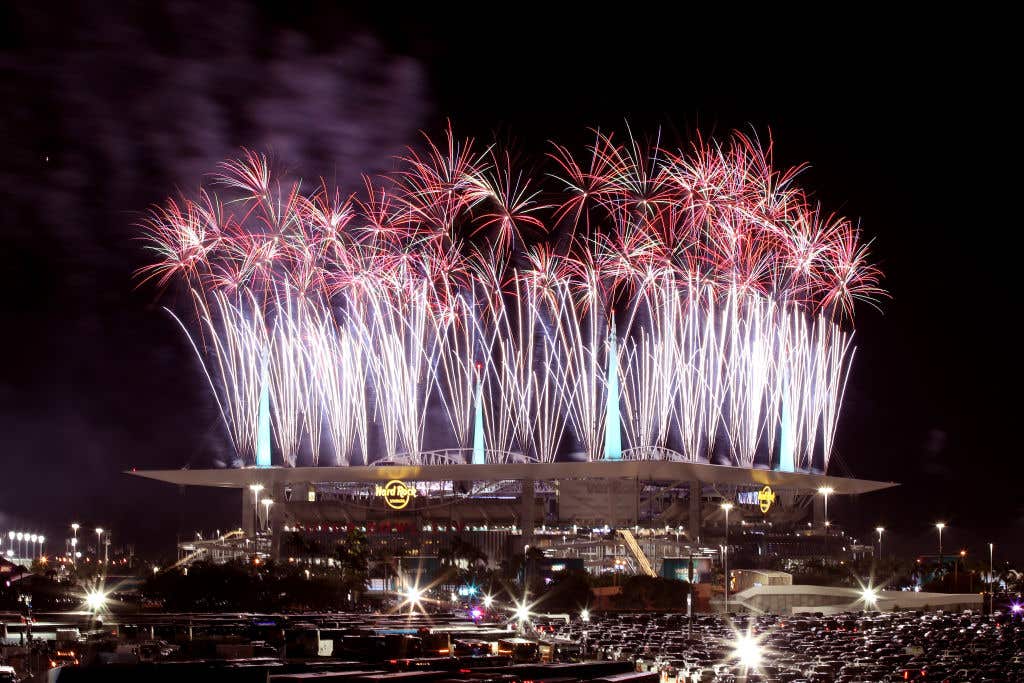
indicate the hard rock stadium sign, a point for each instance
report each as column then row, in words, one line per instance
column 396, row 494
column 764, row 498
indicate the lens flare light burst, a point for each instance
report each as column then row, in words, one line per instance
column 460, row 284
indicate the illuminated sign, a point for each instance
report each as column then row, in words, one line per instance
column 763, row 498
column 395, row 493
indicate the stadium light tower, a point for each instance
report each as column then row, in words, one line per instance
column 727, row 506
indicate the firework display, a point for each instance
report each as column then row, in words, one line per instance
column 630, row 302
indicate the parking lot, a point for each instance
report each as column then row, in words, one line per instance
column 927, row 646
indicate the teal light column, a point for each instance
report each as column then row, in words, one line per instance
column 478, row 426
column 263, row 421
column 613, row 421
column 786, row 439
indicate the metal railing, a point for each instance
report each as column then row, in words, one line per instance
column 464, row 456
column 453, row 456
column 655, row 453
column 638, row 552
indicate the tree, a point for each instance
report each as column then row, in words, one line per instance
column 652, row 592
column 569, row 592
column 353, row 556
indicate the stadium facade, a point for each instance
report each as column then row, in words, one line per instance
column 662, row 507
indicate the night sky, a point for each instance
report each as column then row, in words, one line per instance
column 907, row 127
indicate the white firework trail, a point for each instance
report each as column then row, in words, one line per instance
column 359, row 317
column 237, row 350
column 288, row 378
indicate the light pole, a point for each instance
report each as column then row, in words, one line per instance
column 256, row 488
column 991, row 576
column 74, row 543
column 267, row 502
column 42, row 546
column 11, row 535
column 99, row 542
column 826, row 491
column 940, row 526
column 880, row 529
column 725, row 554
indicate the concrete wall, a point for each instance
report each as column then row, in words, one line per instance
column 830, row 600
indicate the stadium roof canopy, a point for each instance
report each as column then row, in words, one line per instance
column 659, row 470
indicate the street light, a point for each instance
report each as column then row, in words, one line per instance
column 747, row 651
column 727, row 506
column 413, row 596
column 879, row 529
column 826, row 491
column 99, row 542
column 522, row 612
column 869, row 596
column 95, row 600
column 940, row 526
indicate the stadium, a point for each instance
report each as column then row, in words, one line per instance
column 462, row 354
